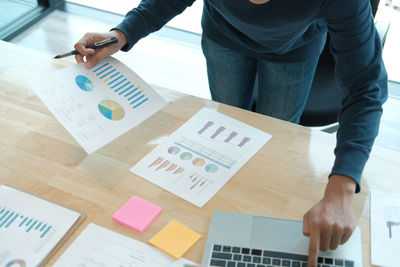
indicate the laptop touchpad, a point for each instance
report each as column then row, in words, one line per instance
column 278, row 234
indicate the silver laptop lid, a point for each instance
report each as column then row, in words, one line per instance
column 272, row 234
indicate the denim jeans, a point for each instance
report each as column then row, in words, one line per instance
column 281, row 91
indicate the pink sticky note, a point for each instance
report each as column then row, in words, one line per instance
column 137, row 214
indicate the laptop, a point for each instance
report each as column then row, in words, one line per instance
column 245, row 240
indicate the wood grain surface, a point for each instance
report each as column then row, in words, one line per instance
column 284, row 179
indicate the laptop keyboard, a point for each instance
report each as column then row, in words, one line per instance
column 227, row 256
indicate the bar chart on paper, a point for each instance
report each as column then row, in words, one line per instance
column 201, row 156
column 98, row 105
column 30, row 227
column 392, row 215
column 219, row 133
column 385, row 228
column 15, row 223
column 14, row 220
column 120, row 84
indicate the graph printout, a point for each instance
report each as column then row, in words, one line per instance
column 99, row 247
column 30, row 227
column 99, row 104
column 201, row 156
column 385, row 228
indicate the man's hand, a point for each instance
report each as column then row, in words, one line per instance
column 92, row 56
column 331, row 221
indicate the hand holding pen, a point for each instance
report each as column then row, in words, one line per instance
column 97, row 45
column 86, row 51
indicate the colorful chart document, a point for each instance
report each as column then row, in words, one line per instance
column 99, row 247
column 385, row 228
column 201, row 156
column 30, row 227
column 99, row 104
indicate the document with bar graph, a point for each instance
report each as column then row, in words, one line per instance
column 385, row 228
column 30, row 227
column 97, row 105
column 201, row 156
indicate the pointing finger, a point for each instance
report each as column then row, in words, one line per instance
column 313, row 248
column 306, row 226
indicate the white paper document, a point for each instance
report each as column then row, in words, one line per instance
column 30, row 227
column 201, row 156
column 385, row 228
column 99, row 247
column 99, row 104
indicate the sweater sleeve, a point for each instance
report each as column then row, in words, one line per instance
column 361, row 74
column 148, row 17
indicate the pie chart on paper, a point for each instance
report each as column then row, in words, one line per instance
column 84, row 83
column 111, row 110
column 16, row 263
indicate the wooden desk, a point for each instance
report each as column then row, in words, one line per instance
column 284, row 179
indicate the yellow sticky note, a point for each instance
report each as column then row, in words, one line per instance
column 175, row 239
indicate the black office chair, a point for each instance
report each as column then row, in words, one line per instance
column 323, row 104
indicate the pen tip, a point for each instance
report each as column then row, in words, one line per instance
column 57, row 56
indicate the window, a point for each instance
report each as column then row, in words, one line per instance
column 189, row 20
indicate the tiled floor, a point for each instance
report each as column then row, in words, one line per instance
column 168, row 63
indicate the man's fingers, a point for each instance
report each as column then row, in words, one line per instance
column 346, row 234
column 306, row 226
column 81, row 48
column 90, row 63
column 313, row 248
column 336, row 237
column 325, row 238
column 87, row 39
column 91, row 56
column 79, row 58
column 92, row 60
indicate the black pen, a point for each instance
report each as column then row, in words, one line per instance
column 101, row 44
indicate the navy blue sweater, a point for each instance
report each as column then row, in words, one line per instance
column 292, row 31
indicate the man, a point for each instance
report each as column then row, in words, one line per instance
column 280, row 41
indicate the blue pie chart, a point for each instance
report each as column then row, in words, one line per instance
column 84, row 83
column 211, row 168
